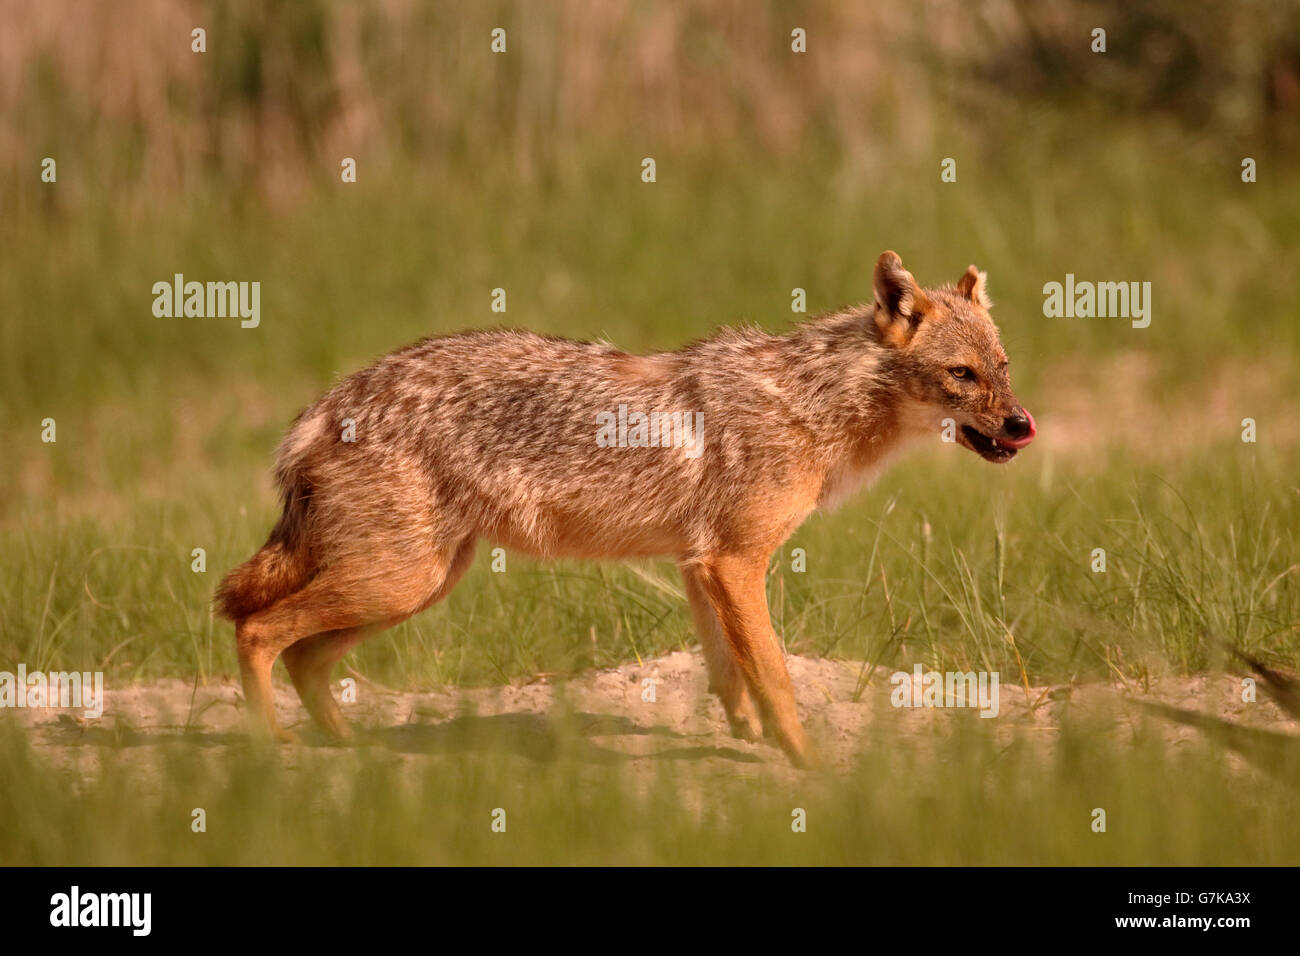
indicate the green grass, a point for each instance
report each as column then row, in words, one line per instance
column 990, row 803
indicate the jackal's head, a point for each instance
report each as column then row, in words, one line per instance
column 948, row 359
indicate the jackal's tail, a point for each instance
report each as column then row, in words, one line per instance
column 282, row 566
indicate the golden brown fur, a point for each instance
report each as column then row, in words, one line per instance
column 494, row 435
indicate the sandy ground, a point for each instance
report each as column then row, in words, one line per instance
column 609, row 719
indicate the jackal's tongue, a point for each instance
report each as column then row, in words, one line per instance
column 1019, row 442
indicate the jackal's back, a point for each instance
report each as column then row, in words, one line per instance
column 501, row 434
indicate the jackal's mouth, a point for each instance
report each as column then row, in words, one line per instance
column 990, row 449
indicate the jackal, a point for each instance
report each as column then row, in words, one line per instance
column 390, row 479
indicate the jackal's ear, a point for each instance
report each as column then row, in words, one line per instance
column 900, row 303
column 973, row 285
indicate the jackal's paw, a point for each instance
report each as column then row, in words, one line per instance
column 284, row 736
column 745, row 727
column 805, row 756
column 340, row 734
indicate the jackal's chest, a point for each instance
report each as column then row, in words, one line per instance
column 844, row 481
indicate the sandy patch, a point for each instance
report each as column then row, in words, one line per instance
column 606, row 716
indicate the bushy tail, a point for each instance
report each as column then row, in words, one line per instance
column 283, row 565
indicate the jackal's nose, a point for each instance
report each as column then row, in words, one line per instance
column 1020, row 428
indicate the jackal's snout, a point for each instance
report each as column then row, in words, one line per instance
column 999, row 445
column 1019, row 427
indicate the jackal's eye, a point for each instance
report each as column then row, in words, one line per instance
column 961, row 372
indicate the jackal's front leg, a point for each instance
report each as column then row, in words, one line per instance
column 725, row 677
column 735, row 588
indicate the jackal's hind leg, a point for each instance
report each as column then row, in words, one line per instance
column 255, row 662
column 309, row 663
column 310, row 660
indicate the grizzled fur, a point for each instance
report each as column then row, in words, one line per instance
column 493, row 435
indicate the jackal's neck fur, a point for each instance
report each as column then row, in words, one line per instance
column 843, row 396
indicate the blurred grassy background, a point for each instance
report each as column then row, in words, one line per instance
column 775, row 170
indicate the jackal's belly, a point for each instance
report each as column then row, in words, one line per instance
column 571, row 534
